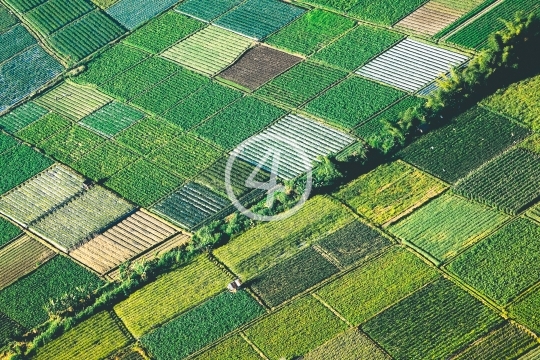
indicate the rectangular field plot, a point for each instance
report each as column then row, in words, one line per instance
column 236, row 123
column 292, row 277
column 473, row 138
column 25, row 73
column 526, row 312
column 7, row 142
column 310, row 32
column 55, row 14
column 384, row 12
column 506, row 342
column 191, row 205
column 295, row 329
column 9, row 328
column 155, row 303
column 81, row 218
column 103, row 162
column 509, row 182
column 25, row 5
column 511, row 268
column 389, row 192
column 112, row 118
column 410, row 65
column 201, row 105
column 353, row 101
column 7, row 19
column 234, row 347
column 93, row 339
column 8, row 232
column 364, row 292
column 352, row 344
column 41, row 194
column 202, row 325
column 42, row 129
column 132, row 236
column 353, row 243
column 163, row 31
column 148, row 135
column 21, row 257
column 20, row 163
column 85, row 36
column 73, row 101
column 477, row 32
column 447, row 225
column 272, row 242
column 292, row 134
column 21, row 117
column 431, row 323
column 57, row 277
column 257, row 19
column 14, row 41
column 357, row 47
column 259, row 65
column 208, row 51
column 132, row 13
column 206, row 10
column 71, row 144
column 299, row 84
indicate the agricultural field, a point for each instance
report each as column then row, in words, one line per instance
column 7, row 19
column 53, row 279
column 209, row 50
column 206, row 10
column 191, row 205
column 534, row 213
column 132, row 13
column 531, row 143
column 111, row 119
column 199, row 281
column 310, row 32
column 446, row 225
column 455, row 150
column 8, row 232
column 16, row 40
column 41, row 194
column 7, row 142
column 148, row 135
column 272, row 242
column 234, row 347
column 389, row 192
column 42, row 129
column 357, row 47
column 21, row 117
column 512, row 254
column 8, row 328
column 202, row 325
column 353, row 101
column 295, row 329
column 410, row 65
column 509, row 182
column 526, row 311
column 82, row 217
column 292, row 277
column 259, row 65
column 365, row 291
column 431, row 323
column 353, row 243
column 125, row 240
column 300, row 84
column 352, row 344
column 71, row 144
column 52, row 15
column 93, row 339
column 291, row 135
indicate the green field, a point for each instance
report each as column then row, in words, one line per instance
column 532, row 143
column 8, row 232
column 447, row 225
column 526, row 311
column 364, row 292
column 511, row 268
column 234, row 347
column 43, row 128
column 21, row 117
column 387, row 192
column 148, row 135
column 71, row 144
column 534, row 213
column 112, row 118
column 295, row 329
column 104, row 161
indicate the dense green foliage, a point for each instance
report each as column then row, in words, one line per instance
column 8, row 231
column 234, row 347
column 8, row 329
column 112, row 118
column 43, row 128
column 71, row 144
column 7, row 142
column 22, row 116
column 526, row 311
column 148, row 135
column 104, row 161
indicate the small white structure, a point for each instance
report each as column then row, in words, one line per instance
column 234, row 286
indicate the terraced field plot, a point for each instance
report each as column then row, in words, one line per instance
column 132, row 236
column 511, row 252
column 112, row 118
column 389, row 192
column 432, row 323
column 509, row 182
column 41, row 194
column 72, row 101
column 21, row 257
column 364, row 292
column 155, row 303
column 300, row 140
column 14, row 41
column 410, row 65
column 257, row 19
column 272, row 242
column 447, row 225
column 295, row 329
column 259, row 65
column 8, row 232
column 92, row 339
column 132, row 13
column 473, row 138
column 206, row 10
column 209, row 50
column 234, row 347
column 21, row 117
column 191, row 205
column 81, row 218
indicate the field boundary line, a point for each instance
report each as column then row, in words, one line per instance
column 334, row 311
column 507, row 117
column 255, row 347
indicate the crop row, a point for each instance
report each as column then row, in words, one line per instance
column 104, row 161
column 7, row 142
column 7, row 19
column 21, row 117
column 43, row 128
column 206, row 10
column 14, row 41
column 132, row 13
column 71, row 144
column 55, row 14
column 234, row 347
column 112, row 118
